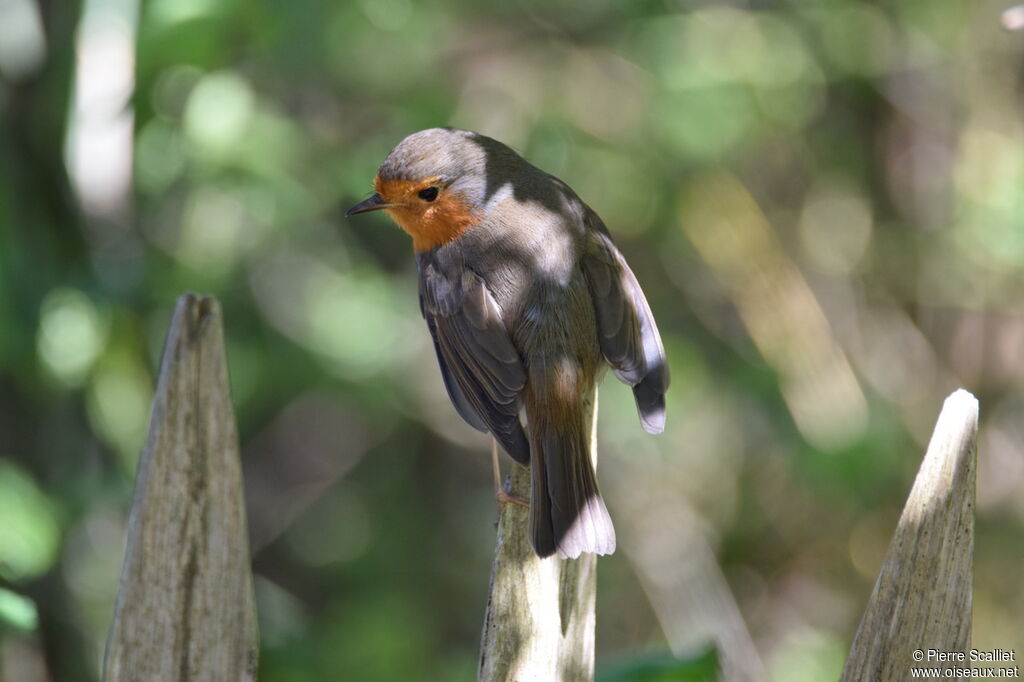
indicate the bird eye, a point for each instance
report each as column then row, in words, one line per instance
column 428, row 194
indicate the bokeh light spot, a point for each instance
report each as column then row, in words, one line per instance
column 835, row 228
column 218, row 114
column 71, row 335
column 17, row 611
column 808, row 656
column 217, row 228
column 29, row 533
column 22, row 42
column 166, row 13
column 118, row 402
column 705, row 123
column 350, row 321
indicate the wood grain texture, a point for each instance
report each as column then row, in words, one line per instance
column 922, row 598
column 540, row 616
column 185, row 607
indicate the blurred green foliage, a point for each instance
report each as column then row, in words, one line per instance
column 17, row 611
column 662, row 668
column 822, row 201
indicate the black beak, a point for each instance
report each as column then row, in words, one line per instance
column 374, row 203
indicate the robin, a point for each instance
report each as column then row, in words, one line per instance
column 527, row 300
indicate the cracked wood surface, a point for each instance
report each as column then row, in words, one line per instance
column 922, row 598
column 185, row 608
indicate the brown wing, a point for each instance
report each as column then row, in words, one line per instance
column 628, row 334
column 481, row 368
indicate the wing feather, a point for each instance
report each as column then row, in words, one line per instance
column 628, row 334
column 482, row 370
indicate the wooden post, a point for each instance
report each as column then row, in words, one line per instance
column 922, row 598
column 185, row 606
column 539, row 623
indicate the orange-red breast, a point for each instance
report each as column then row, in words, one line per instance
column 526, row 298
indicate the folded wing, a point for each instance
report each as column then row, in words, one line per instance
column 482, row 370
column 628, row 334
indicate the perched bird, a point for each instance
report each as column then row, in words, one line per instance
column 527, row 299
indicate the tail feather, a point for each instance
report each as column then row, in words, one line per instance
column 567, row 514
column 541, row 530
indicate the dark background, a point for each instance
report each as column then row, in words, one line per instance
column 822, row 200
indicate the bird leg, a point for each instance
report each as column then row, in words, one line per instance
column 499, row 489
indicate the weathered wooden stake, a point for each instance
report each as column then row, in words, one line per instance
column 185, row 607
column 540, row 612
column 922, row 598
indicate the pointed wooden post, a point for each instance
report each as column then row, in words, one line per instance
column 185, row 608
column 922, row 598
column 540, row 612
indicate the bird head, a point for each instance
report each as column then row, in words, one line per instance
column 432, row 185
